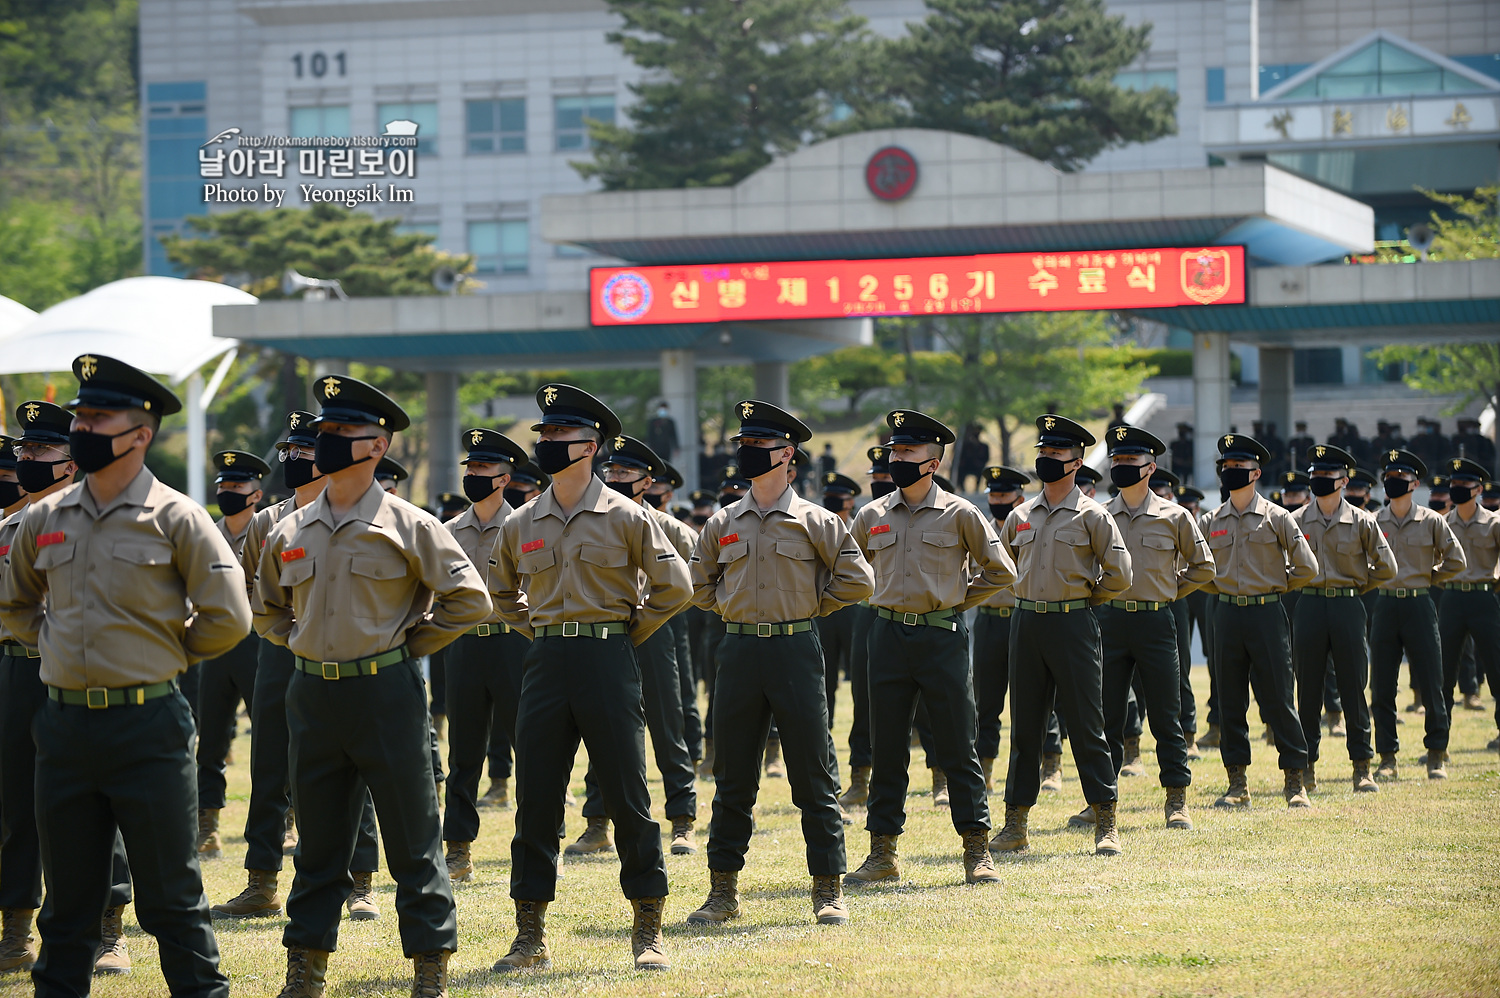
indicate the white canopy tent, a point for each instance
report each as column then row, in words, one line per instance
column 13, row 315
column 163, row 325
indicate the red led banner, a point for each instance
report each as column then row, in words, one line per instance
column 1000, row 282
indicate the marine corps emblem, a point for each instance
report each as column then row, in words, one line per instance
column 87, row 365
column 746, row 409
column 1120, row 432
column 1395, row 455
column 293, row 420
column 897, row 418
column 1205, row 275
column 1320, row 450
column 879, row 452
column 331, row 387
column 549, row 394
column 1229, row 440
column 475, row 436
column 228, row 460
column 31, row 410
column 1457, row 463
column 619, row 443
column 1049, row 422
column 830, row 478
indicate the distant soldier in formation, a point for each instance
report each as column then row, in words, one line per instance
column 1469, row 608
column 1004, row 491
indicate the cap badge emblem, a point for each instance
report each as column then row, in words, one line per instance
column 1120, row 432
column 897, row 418
column 549, row 395
column 1320, row 450
column 1229, row 440
column 619, row 443
column 31, row 410
column 475, row 436
column 294, row 420
column 228, row 460
column 746, row 409
column 87, row 365
column 1457, row 464
column 1395, row 455
column 1049, row 422
column 331, row 387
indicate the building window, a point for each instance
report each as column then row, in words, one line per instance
column 495, row 126
column 500, row 247
column 1276, row 75
column 307, row 122
column 571, row 117
column 1318, row 366
column 1215, row 84
column 1381, row 68
column 1146, row 79
column 176, row 127
column 424, row 113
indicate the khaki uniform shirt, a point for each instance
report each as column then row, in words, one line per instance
column 936, row 555
column 478, row 540
column 792, row 561
column 236, row 544
column 677, row 532
column 1168, row 556
column 1427, row 553
column 1351, row 550
column 585, row 567
column 127, row 595
column 1258, row 552
column 1066, row 552
column 8, row 528
column 1480, row 538
column 387, row 574
column 1005, row 597
column 261, row 525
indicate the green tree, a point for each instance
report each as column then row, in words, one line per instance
column 728, row 85
column 1036, row 75
column 848, row 374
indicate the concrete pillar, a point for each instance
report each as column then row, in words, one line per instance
column 679, row 386
column 1353, row 364
column 442, row 432
column 197, row 440
column 1242, row 50
column 772, row 383
column 1211, row 385
column 1277, row 375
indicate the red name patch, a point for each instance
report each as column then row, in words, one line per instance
column 4, row 551
column 728, row 539
column 294, row 554
column 883, row 528
column 42, row 540
column 531, row 546
column 1219, row 533
column 1023, row 525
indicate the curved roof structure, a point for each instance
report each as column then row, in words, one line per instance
column 13, row 316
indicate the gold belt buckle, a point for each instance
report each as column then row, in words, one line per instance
column 482, row 631
column 567, row 633
column 98, row 702
column 1242, row 601
column 909, row 619
column 330, row 670
column 1401, row 594
column 1131, row 605
column 762, row 630
column 1041, row 606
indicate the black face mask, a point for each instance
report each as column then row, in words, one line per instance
column 835, row 503
column 1126, row 475
column 701, row 518
column 1235, row 478
column 478, row 488
column 1324, row 486
column 233, row 503
column 626, row 489
column 332, row 453
column 1000, row 510
column 1396, row 487
column 299, row 472
column 95, row 451
column 516, row 497
column 1460, row 494
column 728, row 499
column 36, row 476
column 656, row 500
column 755, row 461
column 906, row 473
column 1358, row 502
column 879, row 490
column 1441, row 505
column 553, row 456
column 10, row 493
column 1050, row 469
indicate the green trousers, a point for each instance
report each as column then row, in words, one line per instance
column 991, row 679
column 484, row 688
column 222, row 683
column 1332, row 627
column 1140, row 648
column 1465, row 616
column 1407, row 625
column 1253, row 651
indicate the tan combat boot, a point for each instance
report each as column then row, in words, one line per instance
column 498, row 795
column 209, row 846
column 1084, row 818
column 257, row 900
column 1310, row 777
column 1012, row 837
column 1191, row 738
column 1336, row 726
column 939, row 788
column 595, row 838
column 774, row 768
column 460, row 862
column 1176, row 809
column 1415, row 707
column 1238, row 794
column 18, row 947
column 979, row 866
column 112, row 956
column 682, row 836
column 430, row 974
column 306, row 970
column 530, row 946
column 706, row 767
column 1437, row 764
column 1210, row 739
column 1293, row 790
column 828, row 900
column 1473, row 701
column 1131, row 764
column 1363, row 782
column 289, row 836
column 647, row 944
column 1052, row 779
column 879, row 865
column 723, row 899
column 361, row 903
column 987, row 767
column 1387, row 770
column 1106, row 835
column 858, row 793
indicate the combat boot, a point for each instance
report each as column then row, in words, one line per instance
column 1106, row 834
column 987, row 767
column 1012, row 836
column 430, row 974
column 706, row 767
column 595, row 838
column 1293, row 791
column 723, row 899
column 1190, row 737
column 939, row 788
column 1310, row 777
column 460, row 862
column 1436, row 764
column 1131, row 765
column 361, row 903
column 1336, row 726
column 1083, row 819
column 682, row 836
column 439, row 725
column 1268, row 736
column 1387, row 769
column 289, row 836
column 979, row 866
column 1176, row 808
column 112, row 956
column 858, row 793
column 646, row 942
column 306, row 970
column 257, row 900
column 1238, row 794
column 879, row 865
column 498, row 795
column 1052, row 779
column 1473, row 701
column 18, row 947
column 1415, row 707
column 774, row 768
column 530, row 946
column 1210, row 739
column 1363, row 783
column 828, row 900
column 209, row 846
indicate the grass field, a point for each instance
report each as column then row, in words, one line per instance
column 1395, row 893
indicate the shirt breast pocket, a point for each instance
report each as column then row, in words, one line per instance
column 1160, row 549
column 882, row 560
column 605, row 568
column 800, row 574
column 941, row 553
column 1263, row 535
column 294, row 573
column 536, row 562
column 56, row 562
column 379, row 583
column 735, row 565
column 1073, row 537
